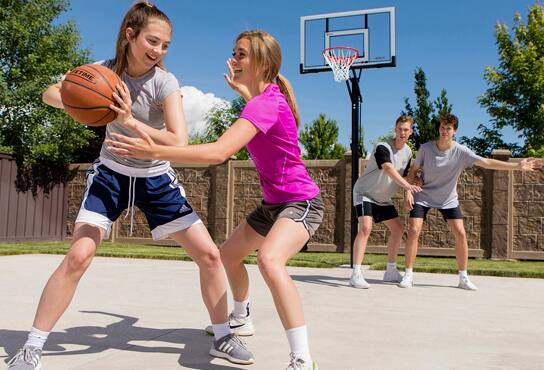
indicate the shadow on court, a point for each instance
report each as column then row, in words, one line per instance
column 192, row 345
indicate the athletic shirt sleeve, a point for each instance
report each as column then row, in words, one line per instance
column 262, row 111
column 407, row 169
column 166, row 86
column 420, row 156
column 382, row 155
column 469, row 156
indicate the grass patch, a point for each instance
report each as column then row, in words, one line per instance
column 528, row 269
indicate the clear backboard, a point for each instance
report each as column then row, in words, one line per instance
column 370, row 31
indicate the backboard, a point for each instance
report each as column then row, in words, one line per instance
column 370, row 31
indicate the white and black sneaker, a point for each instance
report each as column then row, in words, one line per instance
column 27, row 358
column 233, row 349
column 296, row 363
column 242, row 326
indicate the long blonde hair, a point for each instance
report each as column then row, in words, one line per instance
column 266, row 55
column 136, row 18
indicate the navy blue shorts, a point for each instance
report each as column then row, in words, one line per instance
column 160, row 197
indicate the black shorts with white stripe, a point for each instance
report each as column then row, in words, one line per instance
column 308, row 212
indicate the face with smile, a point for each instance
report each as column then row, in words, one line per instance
column 149, row 47
column 244, row 70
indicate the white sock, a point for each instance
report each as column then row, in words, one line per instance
column 241, row 309
column 356, row 269
column 391, row 266
column 36, row 338
column 408, row 271
column 298, row 343
column 220, row 330
column 462, row 274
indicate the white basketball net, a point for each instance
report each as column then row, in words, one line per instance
column 340, row 59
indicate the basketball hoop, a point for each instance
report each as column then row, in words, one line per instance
column 340, row 59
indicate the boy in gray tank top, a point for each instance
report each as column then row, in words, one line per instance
column 442, row 162
column 382, row 178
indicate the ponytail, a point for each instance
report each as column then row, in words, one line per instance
column 286, row 89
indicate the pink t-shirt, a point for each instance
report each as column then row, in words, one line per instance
column 275, row 149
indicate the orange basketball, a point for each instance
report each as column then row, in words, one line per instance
column 87, row 92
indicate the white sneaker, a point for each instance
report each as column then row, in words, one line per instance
column 239, row 326
column 407, row 281
column 465, row 283
column 358, row 281
column 296, row 363
column 392, row 276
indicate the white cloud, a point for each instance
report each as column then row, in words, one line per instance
column 196, row 104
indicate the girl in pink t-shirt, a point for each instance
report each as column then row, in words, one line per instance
column 292, row 208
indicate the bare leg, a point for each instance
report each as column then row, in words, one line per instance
column 283, row 241
column 62, row 284
column 359, row 245
column 414, row 229
column 241, row 243
column 457, row 226
column 395, row 237
column 199, row 245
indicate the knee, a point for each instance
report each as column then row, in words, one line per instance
column 397, row 230
column 268, row 265
column 211, row 259
column 77, row 261
column 229, row 260
column 414, row 231
column 365, row 230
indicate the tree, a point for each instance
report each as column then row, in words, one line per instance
column 34, row 52
column 320, row 139
column 515, row 96
column 426, row 113
column 489, row 139
column 218, row 119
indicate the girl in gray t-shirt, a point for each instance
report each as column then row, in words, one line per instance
column 149, row 100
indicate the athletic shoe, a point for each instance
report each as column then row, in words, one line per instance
column 233, row 349
column 358, row 281
column 296, row 363
column 239, row 326
column 27, row 358
column 392, row 276
column 465, row 283
column 407, row 281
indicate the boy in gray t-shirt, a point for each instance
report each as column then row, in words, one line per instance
column 383, row 177
column 442, row 162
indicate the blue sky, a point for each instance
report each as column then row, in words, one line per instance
column 453, row 41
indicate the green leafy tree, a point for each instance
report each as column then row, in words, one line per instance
column 34, row 52
column 426, row 112
column 320, row 139
column 489, row 139
column 219, row 118
column 515, row 96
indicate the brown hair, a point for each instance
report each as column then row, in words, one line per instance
column 404, row 118
column 137, row 18
column 266, row 54
column 448, row 119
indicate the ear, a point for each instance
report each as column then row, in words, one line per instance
column 129, row 33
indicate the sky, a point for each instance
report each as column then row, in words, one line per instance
column 453, row 41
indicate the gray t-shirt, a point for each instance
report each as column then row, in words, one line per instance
column 441, row 170
column 147, row 93
column 375, row 185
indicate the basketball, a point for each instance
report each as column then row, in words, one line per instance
column 87, row 92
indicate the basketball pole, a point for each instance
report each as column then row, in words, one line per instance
column 356, row 100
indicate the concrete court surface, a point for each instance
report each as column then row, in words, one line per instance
column 148, row 314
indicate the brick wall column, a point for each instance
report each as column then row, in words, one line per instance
column 501, row 209
column 220, row 202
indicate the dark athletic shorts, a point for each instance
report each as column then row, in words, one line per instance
column 377, row 212
column 420, row 211
column 308, row 212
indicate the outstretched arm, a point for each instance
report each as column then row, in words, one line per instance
column 234, row 139
column 527, row 164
